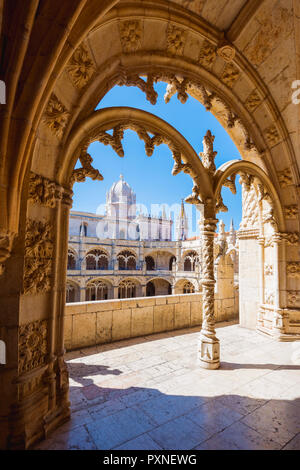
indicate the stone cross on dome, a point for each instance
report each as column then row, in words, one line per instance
column 121, row 177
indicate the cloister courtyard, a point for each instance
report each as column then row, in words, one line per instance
column 150, row 393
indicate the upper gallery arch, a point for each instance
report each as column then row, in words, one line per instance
column 186, row 54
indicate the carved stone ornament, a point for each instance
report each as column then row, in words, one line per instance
column 44, row 191
column 268, row 269
column 131, row 35
column 285, row 177
column 272, row 136
column 293, row 269
column 220, row 206
column 33, row 342
column 269, row 297
column 209, row 154
column 135, row 80
column 6, row 243
column 80, row 174
column 226, row 51
column 81, row 67
column 291, row 212
column 38, row 257
column 176, row 38
column 230, row 75
column 56, row 116
column 293, row 297
column 253, row 101
column 208, row 53
column 292, row 238
column 115, row 141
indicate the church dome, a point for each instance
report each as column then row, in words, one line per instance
column 120, row 189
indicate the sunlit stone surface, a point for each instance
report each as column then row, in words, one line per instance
column 149, row 393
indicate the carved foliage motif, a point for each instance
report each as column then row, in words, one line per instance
column 274, row 28
column 33, row 344
column 293, row 269
column 208, row 53
column 81, row 67
column 230, row 75
column 6, row 243
column 272, row 136
column 56, row 116
column 253, row 101
column 38, row 257
column 176, row 38
column 285, row 177
column 131, row 35
column 209, row 154
column 292, row 238
column 43, row 191
column 293, row 297
column 291, row 212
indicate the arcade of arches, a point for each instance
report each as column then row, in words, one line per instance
column 59, row 59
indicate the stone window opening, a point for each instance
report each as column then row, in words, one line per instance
column 96, row 260
column 126, row 261
column 127, row 289
column 96, row 290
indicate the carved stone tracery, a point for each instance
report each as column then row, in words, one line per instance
column 6, row 243
column 33, row 344
column 38, row 257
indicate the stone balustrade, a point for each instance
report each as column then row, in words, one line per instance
column 91, row 323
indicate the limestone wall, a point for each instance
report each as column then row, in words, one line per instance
column 90, row 323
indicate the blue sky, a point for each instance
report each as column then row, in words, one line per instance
column 151, row 177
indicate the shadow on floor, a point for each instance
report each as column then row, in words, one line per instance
column 137, row 418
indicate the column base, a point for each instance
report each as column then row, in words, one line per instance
column 209, row 353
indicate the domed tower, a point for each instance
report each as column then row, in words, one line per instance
column 121, row 201
column 120, row 219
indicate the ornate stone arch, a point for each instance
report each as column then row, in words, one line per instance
column 97, row 259
column 185, row 286
column 72, row 291
column 98, row 289
column 25, row 146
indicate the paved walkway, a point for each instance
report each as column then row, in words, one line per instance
column 149, row 393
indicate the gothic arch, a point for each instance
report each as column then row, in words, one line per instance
column 251, row 108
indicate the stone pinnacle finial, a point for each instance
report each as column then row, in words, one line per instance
column 121, row 177
column 209, row 154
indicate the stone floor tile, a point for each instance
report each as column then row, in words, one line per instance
column 178, row 434
column 238, row 436
column 75, row 439
column 213, row 416
column 139, row 443
column 243, row 405
column 293, row 444
column 119, row 427
column 166, row 407
column 278, row 419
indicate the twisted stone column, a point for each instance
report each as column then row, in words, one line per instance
column 209, row 348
